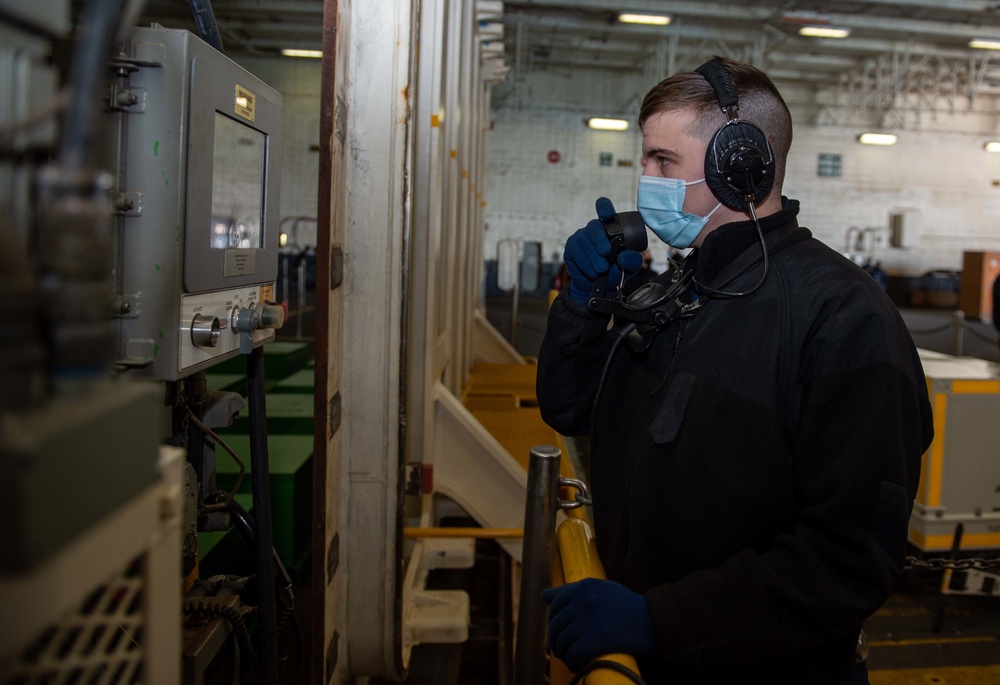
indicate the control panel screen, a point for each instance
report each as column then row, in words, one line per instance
column 237, row 185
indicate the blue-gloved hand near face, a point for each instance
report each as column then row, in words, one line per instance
column 594, row 617
column 587, row 252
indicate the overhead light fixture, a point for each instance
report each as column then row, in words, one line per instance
column 992, row 146
column 824, row 32
column 653, row 19
column 877, row 139
column 608, row 124
column 984, row 44
column 294, row 52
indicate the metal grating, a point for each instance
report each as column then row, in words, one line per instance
column 99, row 644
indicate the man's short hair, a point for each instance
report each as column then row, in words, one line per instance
column 759, row 100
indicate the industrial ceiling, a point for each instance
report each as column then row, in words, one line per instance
column 919, row 47
column 899, row 57
column 552, row 33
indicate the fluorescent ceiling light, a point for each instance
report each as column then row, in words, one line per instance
column 292, row 52
column 654, row 19
column 824, row 32
column 984, row 44
column 877, row 139
column 992, row 146
column 608, row 124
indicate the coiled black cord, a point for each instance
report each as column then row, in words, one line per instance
column 208, row 27
column 94, row 45
column 214, row 606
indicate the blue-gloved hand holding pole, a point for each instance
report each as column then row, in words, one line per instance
column 593, row 617
column 588, row 256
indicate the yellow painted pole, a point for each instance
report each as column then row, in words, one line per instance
column 559, row 673
column 578, row 554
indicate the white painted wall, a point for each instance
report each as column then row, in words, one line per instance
column 947, row 176
column 940, row 169
column 531, row 198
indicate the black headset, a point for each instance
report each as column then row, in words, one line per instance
column 739, row 164
column 739, row 170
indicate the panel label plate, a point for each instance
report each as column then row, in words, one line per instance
column 244, row 103
column 240, row 263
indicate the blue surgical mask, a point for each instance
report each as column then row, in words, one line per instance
column 661, row 203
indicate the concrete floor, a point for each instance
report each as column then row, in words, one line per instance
column 905, row 648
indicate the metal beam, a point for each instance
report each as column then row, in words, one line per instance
column 954, row 5
column 707, row 9
column 759, row 14
column 262, row 10
column 725, row 10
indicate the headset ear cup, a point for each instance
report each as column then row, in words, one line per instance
column 738, row 163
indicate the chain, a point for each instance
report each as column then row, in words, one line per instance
column 931, row 331
column 582, row 494
column 953, row 564
column 951, row 325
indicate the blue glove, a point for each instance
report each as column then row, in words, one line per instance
column 587, row 253
column 595, row 617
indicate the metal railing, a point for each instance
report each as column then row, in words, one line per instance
column 552, row 556
column 959, row 327
column 537, row 556
column 577, row 559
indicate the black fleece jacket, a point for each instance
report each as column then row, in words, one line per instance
column 753, row 470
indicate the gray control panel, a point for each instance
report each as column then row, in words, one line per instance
column 197, row 190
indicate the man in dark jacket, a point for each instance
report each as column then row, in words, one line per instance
column 756, row 447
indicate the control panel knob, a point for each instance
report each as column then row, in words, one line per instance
column 205, row 330
column 245, row 320
column 273, row 315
